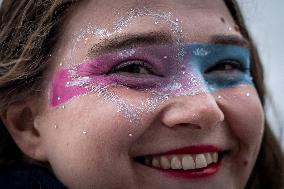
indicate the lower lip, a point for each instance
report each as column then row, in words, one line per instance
column 190, row 174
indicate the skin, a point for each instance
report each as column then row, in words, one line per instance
column 87, row 144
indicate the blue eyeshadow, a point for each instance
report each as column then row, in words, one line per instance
column 205, row 56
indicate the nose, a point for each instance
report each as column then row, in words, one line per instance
column 199, row 112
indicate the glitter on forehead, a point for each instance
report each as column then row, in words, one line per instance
column 123, row 22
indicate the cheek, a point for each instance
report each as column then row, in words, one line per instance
column 88, row 134
column 244, row 115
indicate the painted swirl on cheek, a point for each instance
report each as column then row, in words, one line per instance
column 156, row 68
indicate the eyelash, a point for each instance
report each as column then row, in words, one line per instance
column 222, row 66
column 133, row 64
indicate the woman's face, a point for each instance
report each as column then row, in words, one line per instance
column 151, row 94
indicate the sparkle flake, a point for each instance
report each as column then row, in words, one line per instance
column 132, row 112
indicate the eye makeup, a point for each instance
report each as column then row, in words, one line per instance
column 161, row 71
column 156, row 68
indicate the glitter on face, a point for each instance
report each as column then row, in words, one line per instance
column 247, row 94
column 55, row 126
column 200, row 52
column 219, row 97
column 189, row 77
column 84, row 132
column 183, row 76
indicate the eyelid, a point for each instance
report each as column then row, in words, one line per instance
column 235, row 63
column 144, row 63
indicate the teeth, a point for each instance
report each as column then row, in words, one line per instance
column 208, row 158
column 176, row 163
column 188, row 162
column 185, row 162
column 155, row 163
column 165, row 163
column 200, row 161
column 147, row 161
column 215, row 157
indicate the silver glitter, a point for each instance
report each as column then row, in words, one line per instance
column 156, row 22
column 247, row 94
column 131, row 112
column 165, row 57
column 84, row 132
column 55, row 126
column 79, row 82
column 126, row 53
column 219, row 97
column 200, row 52
column 130, row 135
column 63, row 107
column 60, row 64
column 58, row 98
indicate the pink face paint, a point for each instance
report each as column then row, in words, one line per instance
column 161, row 59
column 61, row 91
column 67, row 84
column 157, row 69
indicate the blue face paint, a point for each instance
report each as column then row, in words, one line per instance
column 158, row 68
column 220, row 66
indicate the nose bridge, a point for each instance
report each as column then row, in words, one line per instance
column 198, row 111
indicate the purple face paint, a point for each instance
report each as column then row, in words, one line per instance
column 157, row 69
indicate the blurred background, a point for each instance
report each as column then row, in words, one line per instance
column 265, row 21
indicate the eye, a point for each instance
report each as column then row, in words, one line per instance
column 136, row 67
column 226, row 66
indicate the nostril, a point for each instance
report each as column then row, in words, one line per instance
column 192, row 126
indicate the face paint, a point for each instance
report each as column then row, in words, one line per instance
column 204, row 68
column 172, row 73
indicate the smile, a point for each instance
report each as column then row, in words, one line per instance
column 182, row 162
column 188, row 162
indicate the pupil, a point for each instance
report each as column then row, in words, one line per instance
column 131, row 69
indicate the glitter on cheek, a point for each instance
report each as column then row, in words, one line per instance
column 66, row 86
column 60, row 92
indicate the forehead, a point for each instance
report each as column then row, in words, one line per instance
column 199, row 19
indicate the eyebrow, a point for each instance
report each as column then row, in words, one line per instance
column 130, row 41
column 122, row 42
column 229, row 40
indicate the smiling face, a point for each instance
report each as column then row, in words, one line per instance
column 151, row 95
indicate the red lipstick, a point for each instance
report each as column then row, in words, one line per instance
column 209, row 170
